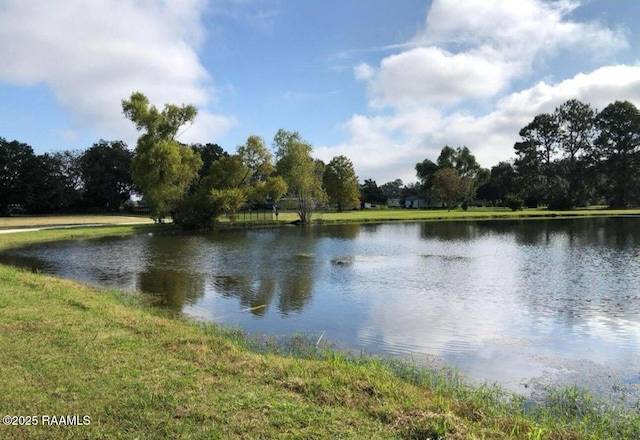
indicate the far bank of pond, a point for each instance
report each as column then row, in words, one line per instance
column 524, row 304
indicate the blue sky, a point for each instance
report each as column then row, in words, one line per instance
column 386, row 83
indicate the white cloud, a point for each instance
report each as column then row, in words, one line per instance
column 491, row 136
column 207, row 127
column 430, row 75
column 519, row 29
column 363, row 72
column 492, row 42
column 452, row 84
column 92, row 56
column 388, row 147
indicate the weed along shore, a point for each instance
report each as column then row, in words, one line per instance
column 84, row 362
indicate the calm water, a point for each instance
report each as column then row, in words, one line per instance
column 523, row 304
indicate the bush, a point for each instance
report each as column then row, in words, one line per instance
column 561, row 203
column 196, row 211
column 513, row 202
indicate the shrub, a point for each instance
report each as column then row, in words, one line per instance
column 513, row 202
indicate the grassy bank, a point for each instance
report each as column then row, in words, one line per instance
column 70, row 349
column 387, row 215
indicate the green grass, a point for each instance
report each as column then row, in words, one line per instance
column 67, row 349
column 387, row 215
column 58, row 220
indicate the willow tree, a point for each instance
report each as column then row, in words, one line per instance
column 162, row 168
column 296, row 166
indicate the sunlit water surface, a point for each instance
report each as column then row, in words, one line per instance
column 520, row 303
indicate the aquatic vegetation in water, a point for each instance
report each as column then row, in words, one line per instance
column 447, row 257
column 343, row 261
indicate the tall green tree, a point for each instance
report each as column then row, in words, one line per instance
column 468, row 169
column 163, row 169
column 370, row 192
column 618, row 153
column 425, row 171
column 106, row 172
column 257, row 158
column 341, row 183
column 48, row 187
column 501, row 182
column 70, row 167
column 296, row 166
column 448, row 187
column 576, row 135
column 540, row 141
column 17, row 162
column 209, row 153
column 392, row 190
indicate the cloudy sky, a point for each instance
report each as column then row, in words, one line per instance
column 386, row 83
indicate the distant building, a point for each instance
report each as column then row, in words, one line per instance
column 417, row 202
column 394, row 202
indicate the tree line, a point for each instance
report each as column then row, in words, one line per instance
column 572, row 157
column 192, row 184
column 96, row 180
column 195, row 186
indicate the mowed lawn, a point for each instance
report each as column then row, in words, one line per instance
column 386, row 215
column 64, row 220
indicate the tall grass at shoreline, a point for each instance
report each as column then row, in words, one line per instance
column 67, row 348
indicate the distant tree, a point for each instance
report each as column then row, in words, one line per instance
column 209, row 153
column 318, row 168
column 541, row 142
column 47, row 186
column 554, row 156
column 411, row 189
column 17, row 162
column 392, row 190
column 425, row 171
column 106, row 172
column 70, row 167
column 576, row 136
column 273, row 188
column 447, row 158
column 162, row 169
column 257, row 158
column 226, row 184
column 500, row 183
column 448, row 187
column 371, row 193
column 296, row 166
column 618, row 153
column 472, row 175
column 227, row 172
column 341, row 183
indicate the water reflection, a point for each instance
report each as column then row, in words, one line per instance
column 512, row 299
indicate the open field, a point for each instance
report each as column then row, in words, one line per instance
column 58, row 220
column 70, row 349
column 459, row 214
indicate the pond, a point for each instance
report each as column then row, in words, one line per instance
column 525, row 304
